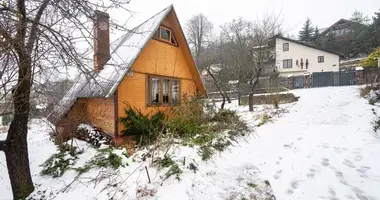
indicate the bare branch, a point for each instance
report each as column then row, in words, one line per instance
column 33, row 32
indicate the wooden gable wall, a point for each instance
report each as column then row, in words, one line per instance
column 157, row 58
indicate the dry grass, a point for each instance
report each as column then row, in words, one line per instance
column 273, row 99
column 364, row 91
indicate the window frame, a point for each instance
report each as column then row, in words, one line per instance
column 287, row 63
column 169, row 31
column 171, row 36
column 287, row 46
column 160, row 103
column 321, row 59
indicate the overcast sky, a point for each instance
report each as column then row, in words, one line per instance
column 294, row 12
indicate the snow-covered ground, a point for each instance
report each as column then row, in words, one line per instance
column 324, row 147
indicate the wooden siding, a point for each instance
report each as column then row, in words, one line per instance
column 68, row 124
column 96, row 111
column 157, row 58
column 101, row 113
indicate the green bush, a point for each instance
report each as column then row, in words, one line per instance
column 201, row 139
column 226, row 116
column 58, row 163
column 103, row 159
column 173, row 170
column 371, row 60
column 165, row 162
column 206, row 152
column 187, row 118
column 145, row 128
column 107, row 158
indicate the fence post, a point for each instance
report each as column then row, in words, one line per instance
column 290, row 82
column 307, row 81
column 359, row 76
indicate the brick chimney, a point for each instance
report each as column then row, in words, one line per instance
column 101, row 40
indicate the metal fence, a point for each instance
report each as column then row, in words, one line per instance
column 341, row 78
column 298, row 82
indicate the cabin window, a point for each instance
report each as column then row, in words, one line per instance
column 288, row 63
column 175, row 92
column 166, row 35
column 163, row 91
column 285, row 46
column 321, row 59
column 155, row 90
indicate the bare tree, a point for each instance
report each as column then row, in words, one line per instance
column 198, row 31
column 213, row 62
column 248, row 42
column 264, row 28
column 238, row 36
column 36, row 37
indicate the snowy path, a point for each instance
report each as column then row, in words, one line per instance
column 324, row 148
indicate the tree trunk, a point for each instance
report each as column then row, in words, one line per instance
column 250, row 101
column 223, row 102
column 17, row 158
column 16, row 145
column 228, row 98
column 238, row 93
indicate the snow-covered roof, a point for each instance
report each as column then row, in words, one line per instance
column 352, row 60
column 124, row 51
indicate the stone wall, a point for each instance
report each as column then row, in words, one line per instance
column 367, row 75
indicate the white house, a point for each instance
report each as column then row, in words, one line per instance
column 294, row 58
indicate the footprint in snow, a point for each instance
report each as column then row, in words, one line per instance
column 359, row 193
column 366, row 168
column 325, row 145
column 332, row 194
column 362, row 173
column 287, row 146
column 289, row 191
column 294, row 184
column 311, row 173
column 350, row 197
column 339, row 175
column 325, row 162
column 358, row 158
column 277, row 174
column 348, row 163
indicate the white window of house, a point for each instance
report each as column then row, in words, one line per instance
column 163, row 91
column 321, row 59
column 285, row 46
column 287, row 63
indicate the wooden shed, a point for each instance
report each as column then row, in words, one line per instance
column 150, row 68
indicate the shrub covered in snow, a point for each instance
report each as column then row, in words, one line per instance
column 58, row 163
column 105, row 158
column 92, row 135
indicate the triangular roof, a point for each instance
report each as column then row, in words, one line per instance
column 341, row 21
column 305, row 44
column 124, row 52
